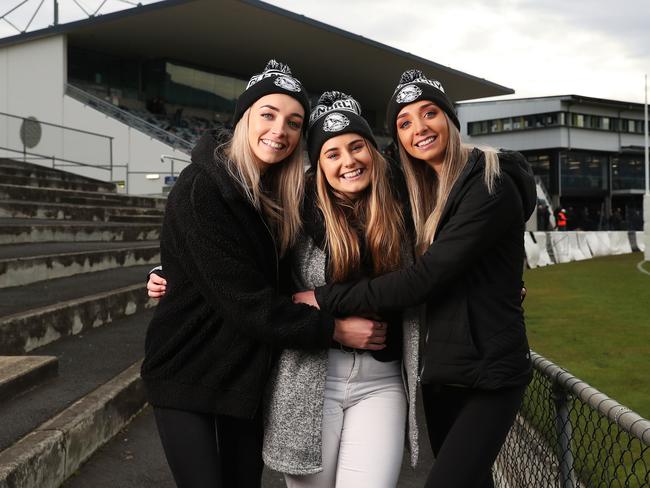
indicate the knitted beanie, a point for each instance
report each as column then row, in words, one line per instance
column 276, row 78
column 414, row 86
column 336, row 113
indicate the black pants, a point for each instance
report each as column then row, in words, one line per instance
column 466, row 429
column 208, row 451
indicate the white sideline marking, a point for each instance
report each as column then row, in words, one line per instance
column 640, row 267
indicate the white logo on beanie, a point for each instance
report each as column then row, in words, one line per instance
column 408, row 94
column 348, row 105
column 335, row 122
column 288, row 83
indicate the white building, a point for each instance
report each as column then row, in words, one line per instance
column 588, row 152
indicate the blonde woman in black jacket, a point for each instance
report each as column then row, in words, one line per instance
column 209, row 348
column 469, row 209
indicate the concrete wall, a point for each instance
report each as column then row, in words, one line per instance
column 131, row 148
column 33, row 75
column 523, row 140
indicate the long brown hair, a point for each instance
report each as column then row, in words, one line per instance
column 378, row 214
column 429, row 191
column 280, row 198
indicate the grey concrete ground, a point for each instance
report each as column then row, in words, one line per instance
column 85, row 361
column 134, row 459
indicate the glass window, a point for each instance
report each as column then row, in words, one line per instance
column 496, row 126
column 604, row 123
column 628, row 172
column 584, row 171
column 201, row 89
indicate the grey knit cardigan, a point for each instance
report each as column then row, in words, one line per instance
column 295, row 391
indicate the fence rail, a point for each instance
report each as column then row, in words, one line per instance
column 30, row 138
column 569, row 435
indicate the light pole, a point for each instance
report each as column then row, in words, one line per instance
column 646, row 196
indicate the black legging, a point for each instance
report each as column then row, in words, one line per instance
column 467, row 428
column 208, row 451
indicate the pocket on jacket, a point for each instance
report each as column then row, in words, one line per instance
column 449, row 322
column 449, row 364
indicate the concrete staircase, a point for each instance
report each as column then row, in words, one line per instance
column 73, row 312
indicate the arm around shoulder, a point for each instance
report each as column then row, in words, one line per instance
column 475, row 224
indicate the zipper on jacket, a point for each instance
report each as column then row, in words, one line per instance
column 269, row 361
column 275, row 253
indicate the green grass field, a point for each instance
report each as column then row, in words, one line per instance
column 593, row 319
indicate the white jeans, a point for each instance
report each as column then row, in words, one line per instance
column 364, row 419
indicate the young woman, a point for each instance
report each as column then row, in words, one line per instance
column 337, row 418
column 469, row 208
column 209, row 347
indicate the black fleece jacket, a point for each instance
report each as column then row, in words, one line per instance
column 210, row 344
column 469, row 279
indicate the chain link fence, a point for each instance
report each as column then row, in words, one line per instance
column 569, row 435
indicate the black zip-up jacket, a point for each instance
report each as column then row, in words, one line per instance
column 210, row 344
column 469, row 279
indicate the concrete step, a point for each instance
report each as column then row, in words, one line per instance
column 34, row 315
column 74, row 197
column 22, row 373
column 17, row 231
column 11, row 168
column 92, row 213
column 49, row 431
column 44, row 180
column 28, row 263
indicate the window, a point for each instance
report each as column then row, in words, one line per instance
column 628, row 172
column 604, row 123
column 582, row 170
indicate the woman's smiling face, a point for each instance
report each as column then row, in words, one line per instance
column 423, row 131
column 346, row 163
column 274, row 128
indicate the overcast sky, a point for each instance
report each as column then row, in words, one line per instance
column 598, row 48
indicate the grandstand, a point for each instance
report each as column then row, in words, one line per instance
column 121, row 98
column 152, row 78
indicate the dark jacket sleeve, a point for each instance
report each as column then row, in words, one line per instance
column 476, row 224
column 211, row 248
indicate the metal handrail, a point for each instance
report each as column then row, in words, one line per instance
column 59, row 126
column 621, row 415
column 55, row 158
column 130, row 119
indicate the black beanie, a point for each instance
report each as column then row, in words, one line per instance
column 414, row 86
column 276, row 78
column 336, row 113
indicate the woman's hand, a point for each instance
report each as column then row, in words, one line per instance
column 360, row 333
column 306, row 297
column 156, row 286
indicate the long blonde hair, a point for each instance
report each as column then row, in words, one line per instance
column 429, row 191
column 376, row 211
column 280, row 197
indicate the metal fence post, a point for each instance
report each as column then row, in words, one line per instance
column 110, row 148
column 564, row 431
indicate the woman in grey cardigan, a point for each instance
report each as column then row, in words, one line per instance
column 337, row 417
